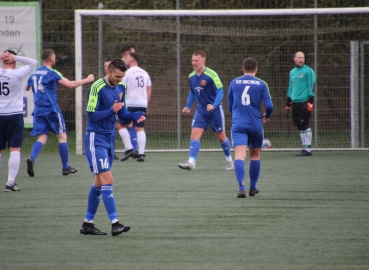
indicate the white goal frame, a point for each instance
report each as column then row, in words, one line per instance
column 78, row 13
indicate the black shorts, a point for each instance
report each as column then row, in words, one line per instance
column 300, row 115
column 11, row 131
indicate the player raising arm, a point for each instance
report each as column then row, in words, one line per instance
column 47, row 114
column 244, row 97
column 11, row 110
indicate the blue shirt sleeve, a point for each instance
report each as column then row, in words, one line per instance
column 268, row 107
column 100, row 115
column 124, row 114
column 230, row 98
column 218, row 97
column 190, row 100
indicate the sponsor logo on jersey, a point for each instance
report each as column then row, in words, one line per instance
column 199, row 89
column 301, row 75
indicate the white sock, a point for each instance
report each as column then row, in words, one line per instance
column 306, row 137
column 14, row 161
column 141, row 142
column 124, row 134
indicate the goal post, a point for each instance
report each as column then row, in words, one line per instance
column 79, row 14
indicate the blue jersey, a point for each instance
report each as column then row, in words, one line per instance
column 44, row 83
column 204, row 88
column 244, row 97
column 101, row 98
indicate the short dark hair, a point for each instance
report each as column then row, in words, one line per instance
column 250, row 64
column 126, row 48
column 11, row 51
column 46, row 54
column 117, row 64
column 135, row 56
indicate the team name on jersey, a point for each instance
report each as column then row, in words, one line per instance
column 247, row 82
column 42, row 72
column 2, row 76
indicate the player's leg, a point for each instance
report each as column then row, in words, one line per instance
column 304, row 128
column 196, row 134
column 133, row 136
column 93, row 199
column 40, row 129
column 239, row 141
column 217, row 124
column 255, row 144
column 122, row 128
column 15, row 140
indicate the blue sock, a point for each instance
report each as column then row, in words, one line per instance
column 93, row 202
column 109, row 201
column 63, row 152
column 239, row 171
column 254, row 172
column 36, row 149
column 133, row 135
column 226, row 146
column 194, row 148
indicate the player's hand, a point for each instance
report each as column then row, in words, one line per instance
column 27, row 88
column 186, row 110
column 210, row 107
column 117, row 106
column 287, row 111
column 265, row 119
column 141, row 119
column 310, row 107
column 91, row 78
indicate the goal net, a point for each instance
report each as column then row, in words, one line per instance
column 166, row 40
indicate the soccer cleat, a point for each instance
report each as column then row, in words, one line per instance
column 241, row 194
column 30, row 170
column 304, row 153
column 127, row 154
column 141, row 158
column 118, row 228
column 253, row 192
column 69, row 170
column 135, row 154
column 89, row 228
column 115, row 156
column 10, row 188
column 186, row 166
column 229, row 165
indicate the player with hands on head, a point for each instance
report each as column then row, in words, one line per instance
column 47, row 115
column 207, row 89
column 244, row 96
column 300, row 98
column 11, row 110
column 105, row 102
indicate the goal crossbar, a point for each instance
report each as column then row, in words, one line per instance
column 179, row 13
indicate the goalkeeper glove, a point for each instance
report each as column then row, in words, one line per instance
column 287, row 111
column 310, row 107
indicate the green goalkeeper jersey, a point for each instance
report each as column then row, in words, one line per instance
column 301, row 86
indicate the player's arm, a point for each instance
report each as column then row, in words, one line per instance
column 124, row 114
column 190, row 100
column 30, row 64
column 74, row 84
column 230, row 98
column 218, row 97
column 148, row 90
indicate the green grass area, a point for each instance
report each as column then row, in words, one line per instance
column 311, row 213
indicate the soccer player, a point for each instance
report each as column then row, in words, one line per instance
column 244, row 96
column 47, row 115
column 131, row 135
column 138, row 84
column 11, row 110
column 207, row 88
column 105, row 101
column 301, row 96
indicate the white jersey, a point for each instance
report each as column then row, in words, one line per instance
column 136, row 80
column 11, row 82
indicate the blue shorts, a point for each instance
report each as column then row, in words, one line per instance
column 132, row 110
column 11, row 131
column 99, row 150
column 44, row 123
column 215, row 119
column 249, row 136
